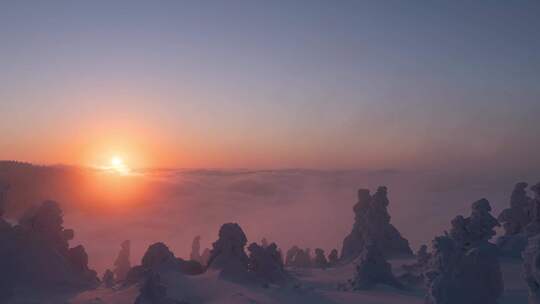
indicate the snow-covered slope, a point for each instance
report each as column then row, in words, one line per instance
column 314, row 286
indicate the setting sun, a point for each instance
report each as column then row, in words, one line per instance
column 118, row 165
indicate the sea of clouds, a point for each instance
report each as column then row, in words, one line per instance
column 308, row 208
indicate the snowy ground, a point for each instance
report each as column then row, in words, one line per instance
column 315, row 286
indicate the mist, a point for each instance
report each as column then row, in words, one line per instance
column 307, row 208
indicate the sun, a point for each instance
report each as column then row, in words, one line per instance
column 118, row 165
column 117, row 161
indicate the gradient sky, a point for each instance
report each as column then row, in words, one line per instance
column 272, row 84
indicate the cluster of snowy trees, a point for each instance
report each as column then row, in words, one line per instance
column 462, row 265
column 35, row 254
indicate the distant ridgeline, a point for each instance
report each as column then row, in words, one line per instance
column 30, row 183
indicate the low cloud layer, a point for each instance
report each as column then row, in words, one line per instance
column 307, row 208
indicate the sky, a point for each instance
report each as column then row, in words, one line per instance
column 272, row 84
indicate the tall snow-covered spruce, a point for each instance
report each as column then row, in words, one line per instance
column 372, row 225
column 531, row 254
column 515, row 221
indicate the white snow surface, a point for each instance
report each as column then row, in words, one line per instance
column 313, row 286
